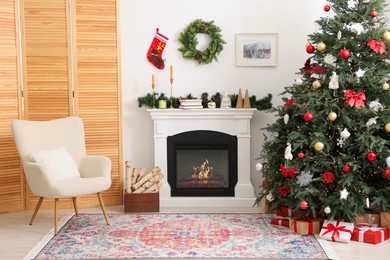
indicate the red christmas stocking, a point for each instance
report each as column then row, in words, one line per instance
column 156, row 49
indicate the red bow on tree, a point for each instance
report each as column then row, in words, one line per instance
column 288, row 172
column 309, row 70
column 355, row 99
column 378, row 47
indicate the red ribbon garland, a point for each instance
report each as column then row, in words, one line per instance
column 335, row 229
column 355, row 99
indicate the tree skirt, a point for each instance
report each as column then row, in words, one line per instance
column 177, row 236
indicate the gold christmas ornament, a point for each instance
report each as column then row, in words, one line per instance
column 387, row 127
column 386, row 35
column 321, row 46
column 332, row 116
column 316, row 84
column 385, row 86
column 319, row 146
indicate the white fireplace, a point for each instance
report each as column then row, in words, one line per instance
column 235, row 122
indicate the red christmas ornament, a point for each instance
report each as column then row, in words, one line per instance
column 346, row 168
column 386, row 173
column 326, row 8
column 344, row 53
column 304, row 204
column 371, row 156
column 373, row 13
column 310, row 48
column 301, row 155
column 308, row 116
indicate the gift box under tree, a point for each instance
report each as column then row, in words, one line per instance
column 385, row 219
column 305, row 226
column 369, row 234
column 337, row 231
column 285, row 212
column 280, row 221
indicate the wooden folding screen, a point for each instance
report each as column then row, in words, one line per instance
column 70, row 53
column 11, row 181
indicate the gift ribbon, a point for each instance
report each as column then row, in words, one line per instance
column 336, row 229
column 363, row 229
column 310, row 229
column 356, row 99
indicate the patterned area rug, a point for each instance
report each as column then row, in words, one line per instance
column 178, row 236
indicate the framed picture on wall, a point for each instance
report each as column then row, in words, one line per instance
column 256, row 49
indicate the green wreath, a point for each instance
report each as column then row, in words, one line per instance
column 189, row 41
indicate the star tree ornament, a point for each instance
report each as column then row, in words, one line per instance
column 375, row 105
column 305, row 178
column 360, row 73
column 344, row 194
column 352, row 4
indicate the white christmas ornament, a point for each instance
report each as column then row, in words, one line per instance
column 356, row 27
column 327, row 210
column 345, row 134
column 360, row 73
column 287, row 152
column 330, row 59
column 286, row 117
column 352, row 3
column 375, row 105
column 270, row 197
column 344, row 194
column 371, row 121
column 388, row 161
column 259, row 167
column 334, row 81
column 339, row 35
column 299, row 82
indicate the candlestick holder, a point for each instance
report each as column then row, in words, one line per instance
column 171, row 80
column 153, row 101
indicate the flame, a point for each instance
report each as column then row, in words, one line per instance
column 202, row 172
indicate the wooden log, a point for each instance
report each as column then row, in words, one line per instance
column 145, row 178
column 129, row 172
column 134, row 176
column 142, row 173
column 154, row 188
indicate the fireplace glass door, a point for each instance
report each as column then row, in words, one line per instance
column 202, row 163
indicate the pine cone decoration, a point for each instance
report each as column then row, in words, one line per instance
column 198, row 56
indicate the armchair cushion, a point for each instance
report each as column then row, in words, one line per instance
column 57, row 162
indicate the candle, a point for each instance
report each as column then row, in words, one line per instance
column 152, row 79
column 170, row 72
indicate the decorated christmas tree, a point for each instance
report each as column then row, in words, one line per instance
column 329, row 150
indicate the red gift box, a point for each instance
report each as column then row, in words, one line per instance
column 285, row 212
column 280, row 221
column 370, row 235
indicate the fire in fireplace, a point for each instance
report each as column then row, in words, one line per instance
column 202, row 163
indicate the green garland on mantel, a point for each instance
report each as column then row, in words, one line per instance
column 260, row 104
column 189, row 41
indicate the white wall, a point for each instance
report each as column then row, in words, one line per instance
column 293, row 20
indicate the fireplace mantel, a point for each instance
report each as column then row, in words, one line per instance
column 236, row 122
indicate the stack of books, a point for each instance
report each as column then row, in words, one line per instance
column 190, row 104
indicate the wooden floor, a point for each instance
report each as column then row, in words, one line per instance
column 17, row 237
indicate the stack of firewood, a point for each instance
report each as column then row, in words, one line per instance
column 139, row 180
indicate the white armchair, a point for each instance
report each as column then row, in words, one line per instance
column 55, row 162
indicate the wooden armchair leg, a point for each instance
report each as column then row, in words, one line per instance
column 56, row 215
column 36, row 209
column 103, row 208
column 74, row 199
